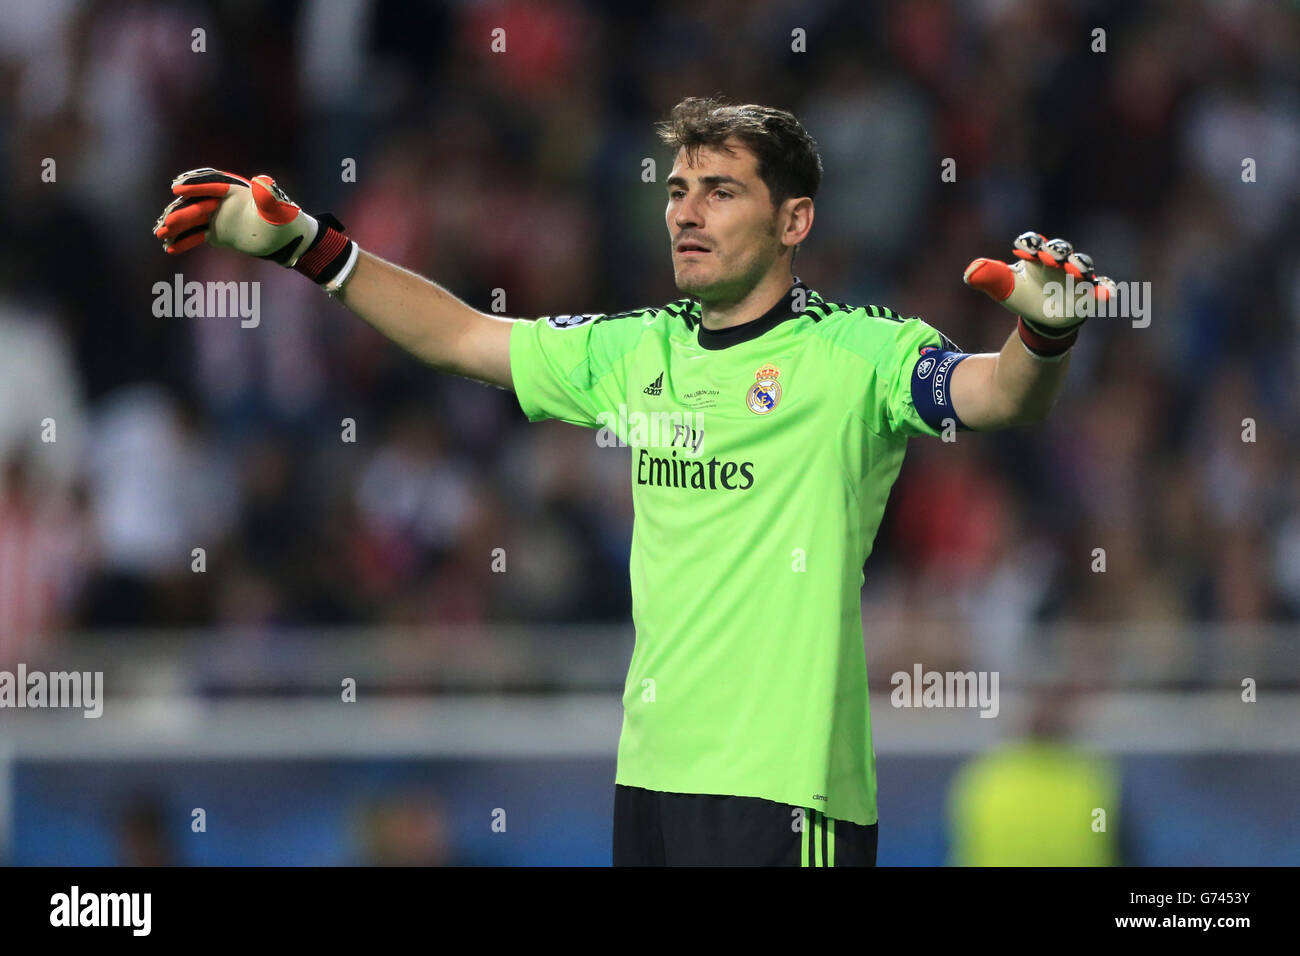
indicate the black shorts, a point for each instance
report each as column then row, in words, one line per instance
column 653, row 828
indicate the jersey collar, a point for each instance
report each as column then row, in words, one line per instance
column 725, row 338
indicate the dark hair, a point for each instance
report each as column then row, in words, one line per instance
column 787, row 156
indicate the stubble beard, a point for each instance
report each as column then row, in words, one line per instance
column 738, row 284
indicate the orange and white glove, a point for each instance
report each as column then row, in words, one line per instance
column 255, row 217
column 1034, row 287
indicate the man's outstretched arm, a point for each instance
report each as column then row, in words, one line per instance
column 256, row 217
column 1005, row 389
column 429, row 322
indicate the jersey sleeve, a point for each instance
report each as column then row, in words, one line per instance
column 914, row 371
column 568, row 367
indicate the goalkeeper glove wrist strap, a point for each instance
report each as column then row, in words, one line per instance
column 331, row 257
column 1045, row 343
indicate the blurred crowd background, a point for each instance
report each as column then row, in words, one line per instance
column 521, row 171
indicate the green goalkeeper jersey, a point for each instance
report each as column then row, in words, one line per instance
column 762, row 457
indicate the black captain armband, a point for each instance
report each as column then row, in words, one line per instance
column 930, row 386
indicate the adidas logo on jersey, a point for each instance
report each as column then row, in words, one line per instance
column 655, row 387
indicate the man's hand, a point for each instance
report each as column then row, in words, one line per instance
column 1034, row 288
column 255, row 217
column 1019, row 384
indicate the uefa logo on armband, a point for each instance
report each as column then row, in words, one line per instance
column 568, row 321
column 765, row 392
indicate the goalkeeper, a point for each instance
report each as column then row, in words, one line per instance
column 746, row 734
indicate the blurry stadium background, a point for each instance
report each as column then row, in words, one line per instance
column 480, row 692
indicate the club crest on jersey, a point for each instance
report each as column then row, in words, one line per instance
column 765, row 392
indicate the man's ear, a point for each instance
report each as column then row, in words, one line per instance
column 800, row 212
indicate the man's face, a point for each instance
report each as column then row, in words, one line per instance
column 721, row 207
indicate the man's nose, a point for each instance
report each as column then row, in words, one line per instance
column 688, row 214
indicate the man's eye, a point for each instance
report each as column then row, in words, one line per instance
column 723, row 193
